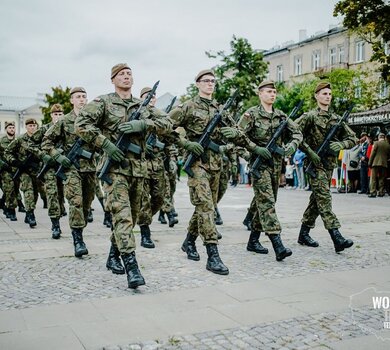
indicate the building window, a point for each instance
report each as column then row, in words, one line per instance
column 359, row 51
column 279, row 74
column 341, row 54
column 383, row 89
column 332, row 56
column 315, row 60
column 297, row 65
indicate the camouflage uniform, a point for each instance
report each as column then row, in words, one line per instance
column 314, row 126
column 170, row 165
column 99, row 120
column 9, row 186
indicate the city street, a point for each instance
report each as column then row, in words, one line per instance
column 315, row 299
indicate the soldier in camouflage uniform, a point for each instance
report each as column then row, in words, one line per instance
column 16, row 154
column 193, row 116
column 314, row 126
column 100, row 123
column 9, row 186
column 255, row 128
column 79, row 186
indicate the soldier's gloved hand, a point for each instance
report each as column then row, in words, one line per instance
column 336, row 147
column 313, row 156
column 112, row 151
column 289, row 150
column 222, row 149
column 47, row 159
column 64, row 161
column 193, row 147
column 229, row 133
column 132, row 126
column 262, row 152
column 234, row 170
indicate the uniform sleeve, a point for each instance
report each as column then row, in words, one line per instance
column 303, row 122
column 295, row 133
column 51, row 138
column 348, row 137
column 159, row 123
column 177, row 117
column 10, row 151
column 244, row 125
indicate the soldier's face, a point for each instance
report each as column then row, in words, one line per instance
column 123, row 80
column 267, row 95
column 206, row 85
column 11, row 130
column 31, row 129
column 78, row 100
column 324, row 97
column 55, row 116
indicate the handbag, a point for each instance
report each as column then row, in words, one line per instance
column 353, row 163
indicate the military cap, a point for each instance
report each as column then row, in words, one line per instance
column 117, row 68
column 145, row 90
column 31, row 121
column 77, row 89
column 363, row 134
column 56, row 108
column 268, row 84
column 322, row 85
column 7, row 124
column 204, row 72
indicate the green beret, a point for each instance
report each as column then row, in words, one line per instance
column 204, row 72
column 117, row 68
column 7, row 124
column 322, row 85
column 31, row 121
column 268, row 84
column 77, row 89
column 145, row 90
column 56, row 108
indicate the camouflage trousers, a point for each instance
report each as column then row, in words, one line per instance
column 153, row 196
column 170, row 189
column 266, row 192
column 54, row 193
column 10, row 189
column 223, row 182
column 79, row 188
column 123, row 200
column 203, row 189
column 29, row 187
column 377, row 180
column 98, row 189
column 320, row 202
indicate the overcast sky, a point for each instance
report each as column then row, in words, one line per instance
column 46, row 43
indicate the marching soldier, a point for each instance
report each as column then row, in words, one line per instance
column 100, row 123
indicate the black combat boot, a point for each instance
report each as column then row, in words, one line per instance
column 254, row 245
column 219, row 234
column 44, row 200
column 79, row 246
column 90, row 215
column 146, row 241
column 114, row 262
column 217, row 217
column 134, row 277
column 2, row 202
column 27, row 218
column 304, row 237
column 189, row 247
column 6, row 212
column 31, row 218
column 55, row 228
column 172, row 219
column 340, row 243
column 174, row 212
column 107, row 219
column 248, row 220
column 161, row 218
column 12, row 214
column 21, row 208
column 214, row 262
column 280, row 251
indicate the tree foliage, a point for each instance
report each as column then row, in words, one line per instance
column 59, row 95
column 370, row 20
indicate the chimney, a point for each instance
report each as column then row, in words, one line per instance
column 302, row 34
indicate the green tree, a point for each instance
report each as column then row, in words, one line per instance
column 59, row 95
column 370, row 20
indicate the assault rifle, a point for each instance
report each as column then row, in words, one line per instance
column 5, row 166
column 205, row 140
column 26, row 166
column 272, row 147
column 75, row 153
column 323, row 150
column 124, row 140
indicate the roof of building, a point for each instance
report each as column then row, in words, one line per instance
column 15, row 103
column 164, row 100
column 377, row 115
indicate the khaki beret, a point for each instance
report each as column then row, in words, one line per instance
column 322, row 85
column 31, row 121
column 77, row 89
column 117, row 68
column 56, row 108
column 267, row 83
column 204, row 72
column 145, row 90
column 7, row 124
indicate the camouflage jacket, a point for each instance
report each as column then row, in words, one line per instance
column 61, row 136
column 4, row 143
column 193, row 116
column 258, row 126
column 100, row 118
column 315, row 125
